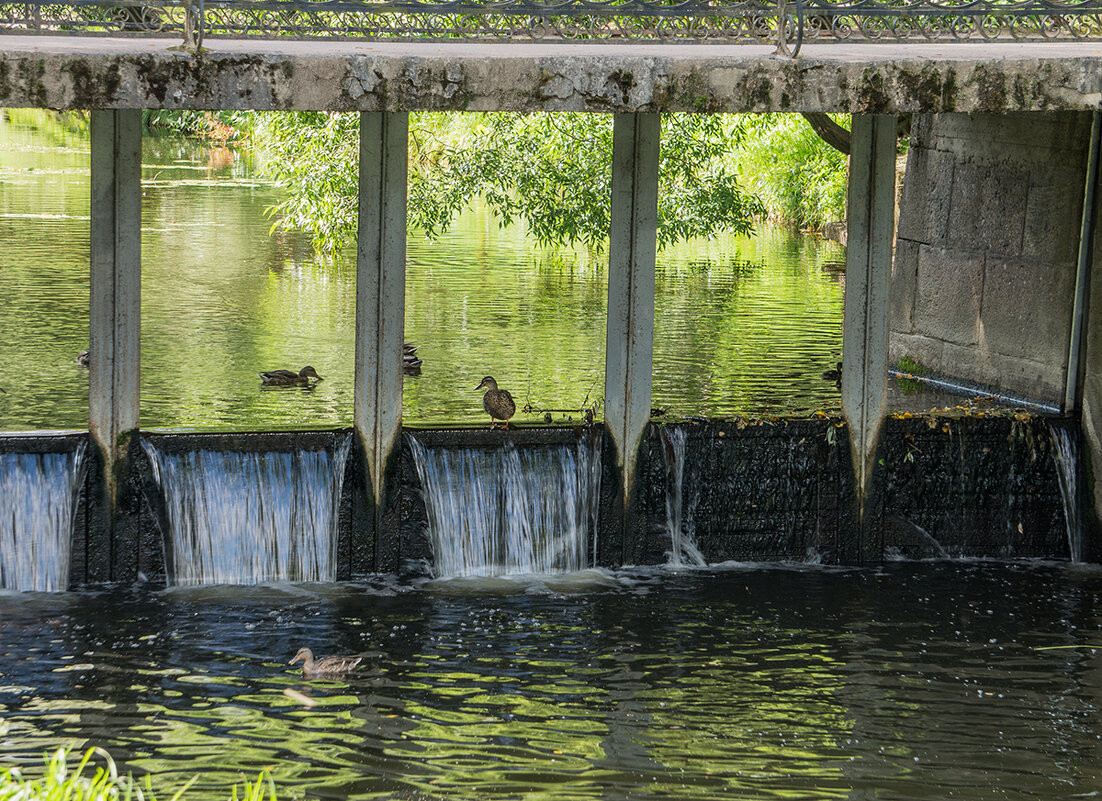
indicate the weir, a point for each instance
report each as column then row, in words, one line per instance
column 38, row 502
column 254, row 507
column 247, row 518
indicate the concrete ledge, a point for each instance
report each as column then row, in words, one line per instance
column 100, row 73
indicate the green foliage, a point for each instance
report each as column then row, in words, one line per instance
column 550, row 171
column 909, row 367
column 314, row 155
column 799, row 177
column 62, row 782
column 59, row 128
column 216, row 125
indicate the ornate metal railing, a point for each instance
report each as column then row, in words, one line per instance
column 784, row 23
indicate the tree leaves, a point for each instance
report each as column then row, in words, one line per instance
column 551, row 172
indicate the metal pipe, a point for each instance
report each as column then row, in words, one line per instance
column 964, row 389
column 1082, row 271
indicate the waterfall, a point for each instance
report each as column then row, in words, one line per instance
column 509, row 510
column 246, row 518
column 1065, row 453
column 683, row 548
column 38, row 499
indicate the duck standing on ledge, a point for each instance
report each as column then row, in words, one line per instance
column 286, row 378
column 326, row 665
column 498, row 403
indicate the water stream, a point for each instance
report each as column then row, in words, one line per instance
column 38, row 497
column 683, row 548
column 246, row 518
column 509, row 510
column 1065, row 453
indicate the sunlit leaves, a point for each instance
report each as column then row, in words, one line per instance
column 799, row 177
column 550, row 172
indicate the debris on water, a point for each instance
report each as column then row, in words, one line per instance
column 300, row 698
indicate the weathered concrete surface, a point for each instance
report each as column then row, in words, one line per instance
column 66, row 72
column 870, row 206
column 984, row 274
column 630, row 320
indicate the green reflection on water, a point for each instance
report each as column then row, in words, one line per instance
column 743, row 325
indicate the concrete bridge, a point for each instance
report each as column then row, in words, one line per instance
column 992, row 268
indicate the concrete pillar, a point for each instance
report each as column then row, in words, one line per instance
column 114, row 346
column 380, row 315
column 1088, row 399
column 631, row 255
column 870, row 209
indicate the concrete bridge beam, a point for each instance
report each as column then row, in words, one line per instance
column 630, row 326
column 380, row 315
column 870, row 211
column 115, row 322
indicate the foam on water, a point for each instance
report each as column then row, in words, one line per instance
column 509, row 510
column 249, row 518
column 38, row 494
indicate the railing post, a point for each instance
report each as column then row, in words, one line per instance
column 380, row 317
column 115, row 325
column 631, row 257
column 870, row 220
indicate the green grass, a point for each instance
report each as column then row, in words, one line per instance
column 910, row 368
column 96, row 778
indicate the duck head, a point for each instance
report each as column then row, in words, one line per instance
column 488, row 382
column 303, row 655
column 309, row 372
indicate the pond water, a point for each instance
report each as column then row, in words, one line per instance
column 914, row 680
column 743, row 325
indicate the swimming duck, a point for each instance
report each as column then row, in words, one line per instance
column 82, row 358
column 498, row 403
column 326, row 665
column 410, row 362
column 285, row 378
column 833, row 375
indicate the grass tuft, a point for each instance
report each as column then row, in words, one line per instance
column 88, row 780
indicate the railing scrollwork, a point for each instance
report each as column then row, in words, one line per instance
column 784, row 24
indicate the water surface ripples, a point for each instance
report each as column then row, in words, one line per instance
column 914, row 680
column 743, row 325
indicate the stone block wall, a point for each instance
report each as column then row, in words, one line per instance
column 986, row 247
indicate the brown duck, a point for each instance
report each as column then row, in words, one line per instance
column 326, row 666
column 410, row 362
column 286, row 378
column 498, row 403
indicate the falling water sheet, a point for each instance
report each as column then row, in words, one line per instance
column 509, row 510
column 38, row 493
column 248, row 518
